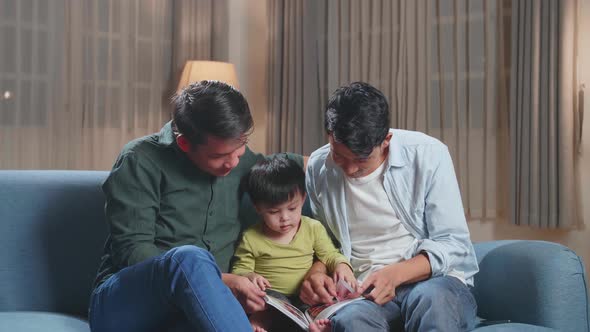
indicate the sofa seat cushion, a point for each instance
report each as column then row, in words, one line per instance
column 513, row 327
column 31, row 321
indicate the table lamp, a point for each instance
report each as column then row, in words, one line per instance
column 195, row 71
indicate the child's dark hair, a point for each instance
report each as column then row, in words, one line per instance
column 274, row 181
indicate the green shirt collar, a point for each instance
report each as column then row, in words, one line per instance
column 166, row 135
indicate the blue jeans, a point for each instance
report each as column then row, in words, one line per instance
column 180, row 290
column 437, row 304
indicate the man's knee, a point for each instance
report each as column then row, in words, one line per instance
column 440, row 293
column 190, row 251
column 192, row 258
column 358, row 317
column 443, row 303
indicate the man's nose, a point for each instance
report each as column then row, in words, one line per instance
column 350, row 169
column 233, row 161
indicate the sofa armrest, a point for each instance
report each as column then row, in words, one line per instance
column 534, row 282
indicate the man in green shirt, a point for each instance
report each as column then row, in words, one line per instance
column 172, row 205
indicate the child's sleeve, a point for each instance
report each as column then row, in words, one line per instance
column 244, row 262
column 324, row 249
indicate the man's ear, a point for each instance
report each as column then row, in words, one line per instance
column 183, row 143
column 386, row 140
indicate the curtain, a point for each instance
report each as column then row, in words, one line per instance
column 32, row 40
column 193, row 31
column 85, row 77
column 437, row 62
column 543, row 131
column 118, row 63
column 293, row 89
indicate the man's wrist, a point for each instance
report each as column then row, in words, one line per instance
column 228, row 278
column 250, row 275
column 347, row 265
column 311, row 274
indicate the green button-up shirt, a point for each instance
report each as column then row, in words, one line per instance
column 157, row 199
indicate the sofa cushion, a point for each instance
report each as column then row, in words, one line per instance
column 29, row 321
column 534, row 282
column 513, row 327
column 52, row 231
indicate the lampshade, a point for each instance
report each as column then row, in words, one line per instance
column 195, row 71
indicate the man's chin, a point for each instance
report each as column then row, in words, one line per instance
column 356, row 175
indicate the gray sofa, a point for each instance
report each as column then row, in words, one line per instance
column 52, row 232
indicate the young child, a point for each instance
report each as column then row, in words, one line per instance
column 277, row 253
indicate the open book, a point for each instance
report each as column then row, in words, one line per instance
column 322, row 311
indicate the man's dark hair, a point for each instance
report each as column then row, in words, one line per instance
column 274, row 181
column 357, row 116
column 210, row 108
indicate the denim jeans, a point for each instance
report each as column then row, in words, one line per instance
column 437, row 304
column 180, row 290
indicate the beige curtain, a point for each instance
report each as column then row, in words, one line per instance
column 118, row 63
column 494, row 80
column 436, row 61
column 543, row 123
column 199, row 32
column 294, row 123
column 85, row 77
column 31, row 76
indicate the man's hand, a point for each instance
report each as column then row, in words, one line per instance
column 383, row 283
column 317, row 288
column 248, row 294
column 258, row 280
column 344, row 272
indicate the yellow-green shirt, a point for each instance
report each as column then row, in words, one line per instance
column 285, row 265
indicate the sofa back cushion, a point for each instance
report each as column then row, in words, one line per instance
column 52, row 232
column 534, row 282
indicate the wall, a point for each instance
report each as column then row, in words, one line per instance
column 584, row 77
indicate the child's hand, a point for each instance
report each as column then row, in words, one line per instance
column 344, row 272
column 258, row 280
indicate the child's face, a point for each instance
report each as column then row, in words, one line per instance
column 282, row 218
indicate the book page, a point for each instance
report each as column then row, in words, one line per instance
column 289, row 310
column 325, row 311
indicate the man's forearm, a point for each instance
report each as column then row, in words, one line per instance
column 413, row 270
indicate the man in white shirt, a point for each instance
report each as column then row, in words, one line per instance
column 391, row 199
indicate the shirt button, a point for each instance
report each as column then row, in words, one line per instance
column 211, row 213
